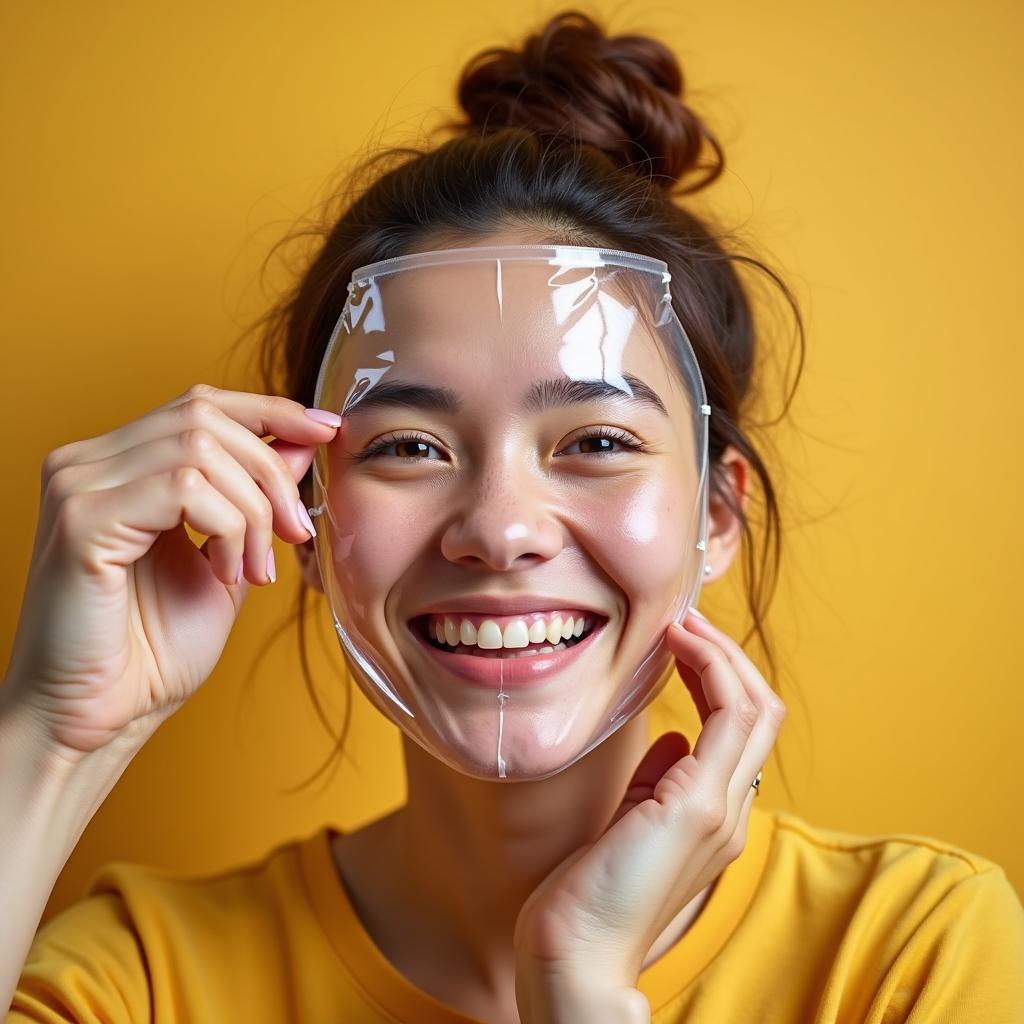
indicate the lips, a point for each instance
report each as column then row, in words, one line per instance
column 495, row 671
column 511, row 650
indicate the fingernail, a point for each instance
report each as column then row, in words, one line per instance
column 271, row 566
column 331, row 419
column 238, row 575
column 700, row 615
column 304, row 518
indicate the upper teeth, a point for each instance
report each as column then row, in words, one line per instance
column 517, row 633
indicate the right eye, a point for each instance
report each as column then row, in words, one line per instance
column 417, row 446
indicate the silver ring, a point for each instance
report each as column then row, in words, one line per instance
column 755, row 785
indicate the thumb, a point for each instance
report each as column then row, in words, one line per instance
column 664, row 752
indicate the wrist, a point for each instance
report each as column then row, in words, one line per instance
column 614, row 1006
column 548, row 995
column 46, row 787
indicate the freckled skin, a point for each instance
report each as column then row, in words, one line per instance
column 494, row 508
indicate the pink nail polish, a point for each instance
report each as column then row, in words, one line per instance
column 331, row 419
column 700, row 615
column 238, row 575
column 305, row 520
column 271, row 566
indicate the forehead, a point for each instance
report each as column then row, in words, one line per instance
column 480, row 325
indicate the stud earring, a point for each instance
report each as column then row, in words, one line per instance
column 707, row 569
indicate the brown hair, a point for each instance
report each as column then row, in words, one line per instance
column 585, row 139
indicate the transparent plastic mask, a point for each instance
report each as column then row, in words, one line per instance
column 524, row 442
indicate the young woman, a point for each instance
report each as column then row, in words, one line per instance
column 582, row 877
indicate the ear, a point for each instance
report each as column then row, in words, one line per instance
column 725, row 530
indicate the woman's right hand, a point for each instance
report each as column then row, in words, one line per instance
column 123, row 616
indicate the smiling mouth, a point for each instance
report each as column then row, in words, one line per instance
column 515, row 641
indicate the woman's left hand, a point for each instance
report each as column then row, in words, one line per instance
column 582, row 936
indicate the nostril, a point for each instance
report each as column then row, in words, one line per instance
column 500, row 540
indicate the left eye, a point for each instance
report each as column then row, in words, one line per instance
column 606, row 438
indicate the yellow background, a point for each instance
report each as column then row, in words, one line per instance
column 152, row 156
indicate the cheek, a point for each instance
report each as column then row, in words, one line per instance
column 374, row 538
column 639, row 536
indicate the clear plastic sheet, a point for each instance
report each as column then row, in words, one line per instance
column 524, row 443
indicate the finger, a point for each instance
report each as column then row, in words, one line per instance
column 262, row 463
column 263, row 512
column 119, row 525
column 238, row 582
column 203, row 407
column 737, row 835
column 691, row 652
column 755, row 756
column 732, row 715
column 691, row 679
column 761, row 694
column 712, row 866
column 297, row 457
column 664, row 752
column 771, row 709
column 734, row 839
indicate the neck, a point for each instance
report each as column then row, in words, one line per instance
column 462, row 855
column 495, row 842
column 481, row 847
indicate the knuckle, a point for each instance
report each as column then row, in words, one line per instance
column 61, row 484
column 187, row 478
column 54, row 460
column 282, row 405
column 746, row 714
column 262, row 514
column 715, row 654
column 279, row 404
column 277, row 475
column 198, row 411
column 709, row 814
column 717, row 659
column 70, row 516
column 777, row 709
column 238, row 522
column 200, row 391
column 736, row 845
column 198, row 443
column 712, row 659
column 728, row 643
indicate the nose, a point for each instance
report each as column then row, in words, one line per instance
column 503, row 523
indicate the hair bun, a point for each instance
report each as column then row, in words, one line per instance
column 622, row 94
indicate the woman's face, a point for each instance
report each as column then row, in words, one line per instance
column 482, row 503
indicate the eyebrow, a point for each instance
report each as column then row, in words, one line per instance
column 543, row 395
column 551, row 394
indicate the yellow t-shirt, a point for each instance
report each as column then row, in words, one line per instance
column 807, row 925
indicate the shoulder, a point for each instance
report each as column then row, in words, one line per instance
column 808, row 844
column 900, row 869
column 190, row 920
column 115, row 953
column 922, row 923
column 216, row 897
